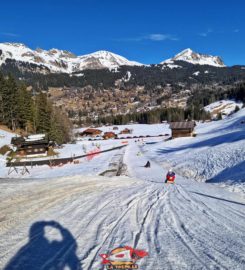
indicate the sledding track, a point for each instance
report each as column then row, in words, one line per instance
column 182, row 226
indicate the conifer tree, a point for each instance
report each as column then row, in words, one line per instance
column 18, row 109
column 10, row 107
column 42, row 114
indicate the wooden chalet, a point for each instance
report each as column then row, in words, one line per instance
column 126, row 131
column 182, row 129
column 33, row 145
column 91, row 132
column 109, row 135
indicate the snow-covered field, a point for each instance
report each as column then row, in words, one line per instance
column 93, row 165
column 66, row 223
column 51, row 222
column 82, row 147
column 137, row 130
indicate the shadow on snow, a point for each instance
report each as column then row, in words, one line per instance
column 235, row 174
column 214, row 141
column 217, row 198
column 41, row 253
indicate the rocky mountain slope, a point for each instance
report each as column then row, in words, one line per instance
column 61, row 61
column 196, row 58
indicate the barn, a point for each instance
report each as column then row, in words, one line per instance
column 126, row 131
column 182, row 129
column 109, row 135
column 92, row 132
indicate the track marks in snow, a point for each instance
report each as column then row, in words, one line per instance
column 124, row 224
column 192, row 231
column 158, row 195
column 214, row 237
column 179, row 228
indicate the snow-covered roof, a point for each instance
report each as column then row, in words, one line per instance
column 182, row 125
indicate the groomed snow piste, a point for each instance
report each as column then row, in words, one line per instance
column 66, row 223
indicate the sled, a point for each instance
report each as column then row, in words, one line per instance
column 169, row 182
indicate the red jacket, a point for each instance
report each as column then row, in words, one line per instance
column 170, row 176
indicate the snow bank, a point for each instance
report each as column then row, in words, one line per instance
column 5, row 137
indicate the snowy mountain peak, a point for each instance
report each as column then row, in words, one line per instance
column 188, row 55
column 101, row 53
column 187, row 51
column 61, row 60
column 101, row 59
column 16, row 45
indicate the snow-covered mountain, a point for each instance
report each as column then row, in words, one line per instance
column 195, row 58
column 102, row 59
column 61, row 60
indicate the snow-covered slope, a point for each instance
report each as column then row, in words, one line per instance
column 102, row 59
column 5, row 137
column 66, row 223
column 216, row 154
column 61, row 60
column 196, row 58
column 225, row 107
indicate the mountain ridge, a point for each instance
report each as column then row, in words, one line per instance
column 188, row 55
column 63, row 61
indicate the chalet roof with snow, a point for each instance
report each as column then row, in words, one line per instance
column 126, row 131
column 182, row 125
column 31, row 140
column 92, row 131
column 109, row 133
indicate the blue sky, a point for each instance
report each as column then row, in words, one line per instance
column 144, row 31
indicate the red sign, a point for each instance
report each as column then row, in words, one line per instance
column 123, row 258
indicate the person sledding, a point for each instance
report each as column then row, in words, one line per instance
column 170, row 177
column 148, row 164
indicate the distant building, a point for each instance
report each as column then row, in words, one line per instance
column 182, row 129
column 126, row 131
column 92, row 132
column 109, row 135
column 33, row 145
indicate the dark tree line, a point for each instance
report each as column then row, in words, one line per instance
column 204, row 97
column 39, row 77
column 237, row 93
column 33, row 114
column 156, row 116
